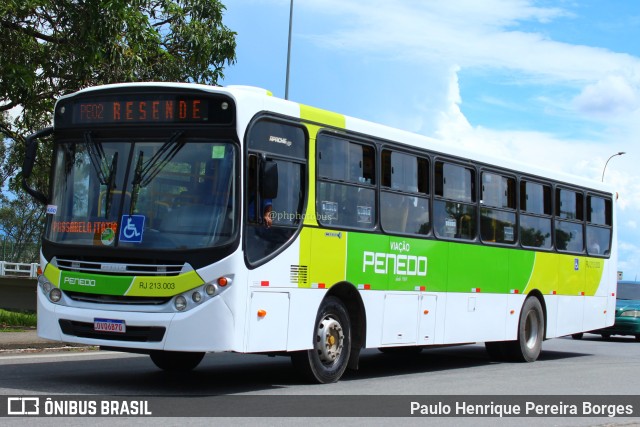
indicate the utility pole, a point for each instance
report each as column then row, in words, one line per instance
column 286, row 85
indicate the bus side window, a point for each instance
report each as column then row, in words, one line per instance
column 598, row 225
column 346, row 175
column 455, row 210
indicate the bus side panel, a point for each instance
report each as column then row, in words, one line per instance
column 595, row 313
column 570, row 319
column 303, row 309
column 472, row 317
column 551, row 304
column 374, row 308
column 217, row 333
column 268, row 321
column 514, row 306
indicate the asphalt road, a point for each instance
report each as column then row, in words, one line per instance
column 590, row 367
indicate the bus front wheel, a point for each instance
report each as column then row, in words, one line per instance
column 176, row 360
column 328, row 359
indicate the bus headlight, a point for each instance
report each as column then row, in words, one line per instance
column 196, row 297
column 55, row 295
column 180, row 303
column 210, row 289
column 45, row 285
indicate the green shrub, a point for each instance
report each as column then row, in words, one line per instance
column 17, row 318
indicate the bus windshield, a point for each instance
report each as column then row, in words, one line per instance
column 176, row 193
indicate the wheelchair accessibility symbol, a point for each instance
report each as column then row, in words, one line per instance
column 131, row 228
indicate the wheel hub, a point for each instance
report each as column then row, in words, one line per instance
column 531, row 329
column 329, row 340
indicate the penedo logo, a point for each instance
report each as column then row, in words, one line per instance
column 23, row 406
column 79, row 281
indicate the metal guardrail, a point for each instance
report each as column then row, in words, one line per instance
column 18, row 269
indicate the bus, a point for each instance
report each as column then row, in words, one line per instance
column 184, row 219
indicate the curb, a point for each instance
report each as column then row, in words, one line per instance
column 35, row 349
column 25, row 340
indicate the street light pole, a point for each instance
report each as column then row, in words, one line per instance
column 605, row 165
column 286, row 85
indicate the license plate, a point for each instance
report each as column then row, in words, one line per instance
column 109, row 325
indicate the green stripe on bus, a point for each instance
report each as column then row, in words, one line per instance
column 382, row 262
column 140, row 286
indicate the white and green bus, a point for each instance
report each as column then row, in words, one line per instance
column 184, row 219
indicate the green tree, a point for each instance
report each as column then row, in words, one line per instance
column 54, row 47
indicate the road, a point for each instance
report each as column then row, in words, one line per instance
column 566, row 367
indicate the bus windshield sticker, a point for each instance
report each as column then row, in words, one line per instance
column 329, row 210
column 450, row 227
column 107, row 236
column 508, row 234
column 132, row 228
column 217, row 152
column 364, row 214
column 52, row 209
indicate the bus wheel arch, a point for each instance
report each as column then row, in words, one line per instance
column 352, row 300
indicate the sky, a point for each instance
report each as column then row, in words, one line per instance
column 555, row 84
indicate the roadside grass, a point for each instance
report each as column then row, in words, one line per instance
column 15, row 320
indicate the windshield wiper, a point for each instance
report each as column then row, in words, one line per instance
column 137, row 179
column 106, row 173
column 97, row 157
column 111, row 184
column 146, row 171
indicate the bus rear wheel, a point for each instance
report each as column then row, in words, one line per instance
column 528, row 346
column 328, row 359
column 176, row 361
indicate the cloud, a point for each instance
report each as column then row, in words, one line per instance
column 611, row 95
column 467, row 33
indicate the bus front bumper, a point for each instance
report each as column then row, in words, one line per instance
column 207, row 327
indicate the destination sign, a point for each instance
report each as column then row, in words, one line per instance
column 131, row 109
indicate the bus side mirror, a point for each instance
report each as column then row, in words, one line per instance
column 30, row 159
column 269, row 180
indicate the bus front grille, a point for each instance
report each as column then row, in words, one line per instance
column 116, row 299
column 120, row 268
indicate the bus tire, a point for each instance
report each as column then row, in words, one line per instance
column 328, row 360
column 176, row 361
column 577, row 336
column 528, row 346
